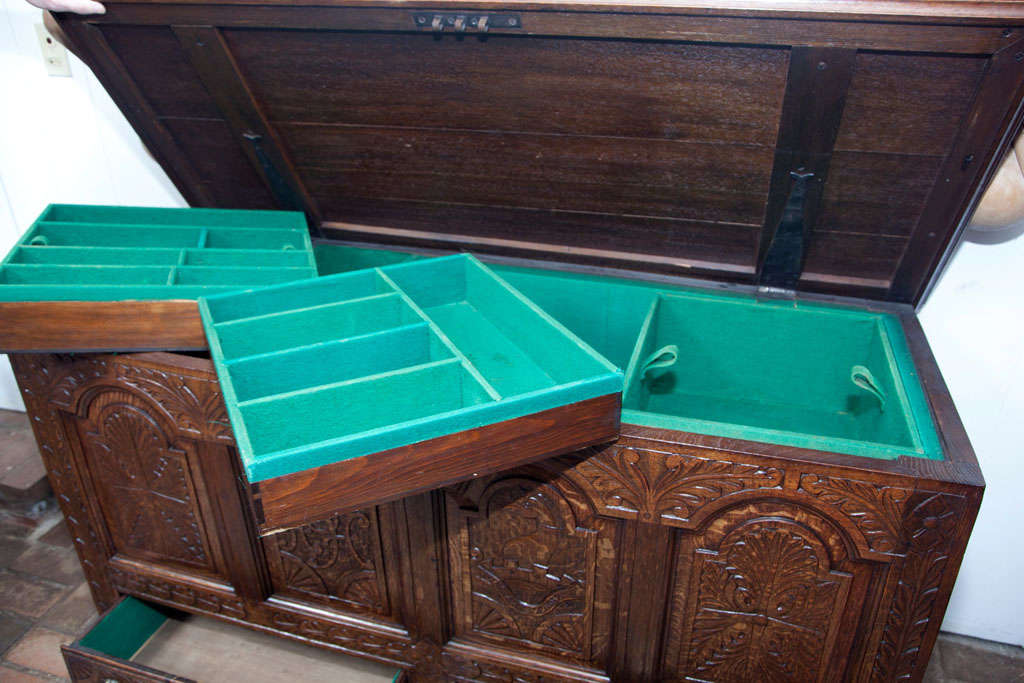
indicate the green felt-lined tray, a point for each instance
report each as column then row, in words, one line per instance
column 108, row 253
column 344, row 366
column 772, row 371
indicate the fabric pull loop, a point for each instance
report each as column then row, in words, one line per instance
column 863, row 379
column 664, row 357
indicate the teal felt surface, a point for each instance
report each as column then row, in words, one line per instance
column 124, row 629
column 319, row 371
column 764, row 370
column 110, row 253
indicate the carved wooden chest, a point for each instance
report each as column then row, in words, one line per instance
column 738, row 205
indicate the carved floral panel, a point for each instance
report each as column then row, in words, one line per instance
column 763, row 606
column 334, row 561
column 528, row 569
column 670, row 488
column 144, row 483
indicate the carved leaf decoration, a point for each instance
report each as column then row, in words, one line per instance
column 528, row 569
column 668, row 486
column 55, row 378
column 333, row 559
column 876, row 510
column 763, row 608
column 196, row 406
column 932, row 520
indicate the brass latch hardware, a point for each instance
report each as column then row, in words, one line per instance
column 460, row 22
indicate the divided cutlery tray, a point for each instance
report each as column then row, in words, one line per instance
column 402, row 362
column 115, row 270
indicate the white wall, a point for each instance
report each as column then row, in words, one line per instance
column 63, row 140
column 975, row 323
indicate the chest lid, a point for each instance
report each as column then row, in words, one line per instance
column 831, row 147
column 375, row 384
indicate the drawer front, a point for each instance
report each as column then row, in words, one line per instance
column 87, row 666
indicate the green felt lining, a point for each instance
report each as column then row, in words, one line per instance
column 318, row 323
column 124, row 629
column 770, row 371
column 319, row 371
column 96, row 253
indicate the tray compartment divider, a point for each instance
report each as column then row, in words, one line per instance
column 470, row 367
column 335, row 361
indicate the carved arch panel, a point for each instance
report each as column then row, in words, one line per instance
column 144, row 482
column 763, row 593
column 532, row 567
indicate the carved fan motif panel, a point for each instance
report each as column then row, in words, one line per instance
column 144, row 483
column 526, row 572
column 765, row 606
column 336, row 561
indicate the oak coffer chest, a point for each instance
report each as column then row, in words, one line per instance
column 737, row 205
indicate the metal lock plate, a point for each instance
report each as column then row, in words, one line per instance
column 461, row 22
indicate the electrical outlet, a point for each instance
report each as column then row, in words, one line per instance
column 55, row 56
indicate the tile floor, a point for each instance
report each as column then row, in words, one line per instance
column 44, row 603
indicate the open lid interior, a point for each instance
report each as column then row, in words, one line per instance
column 750, row 146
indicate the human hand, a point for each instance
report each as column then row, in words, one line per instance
column 76, row 6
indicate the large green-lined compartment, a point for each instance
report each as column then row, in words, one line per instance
column 774, row 371
column 331, row 369
column 113, row 253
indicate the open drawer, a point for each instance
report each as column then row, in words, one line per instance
column 140, row 641
column 369, row 386
column 107, row 278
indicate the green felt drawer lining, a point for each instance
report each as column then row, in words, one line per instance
column 319, row 371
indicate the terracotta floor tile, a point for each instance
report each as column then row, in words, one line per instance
column 11, row 629
column 10, row 548
column 50, row 562
column 39, row 649
column 58, row 536
column 9, row 675
column 74, row 614
column 27, row 596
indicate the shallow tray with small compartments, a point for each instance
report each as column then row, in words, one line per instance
column 365, row 386
column 103, row 278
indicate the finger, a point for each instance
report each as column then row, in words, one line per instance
column 76, row 6
column 84, row 6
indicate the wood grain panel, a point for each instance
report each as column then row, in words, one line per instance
column 908, row 103
column 851, row 261
column 876, row 194
column 620, row 88
column 629, row 241
column 607, row 175
column 159, row 67
column 304, row 497
column 100, row 325
column 211, row 146
column 654, row 22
